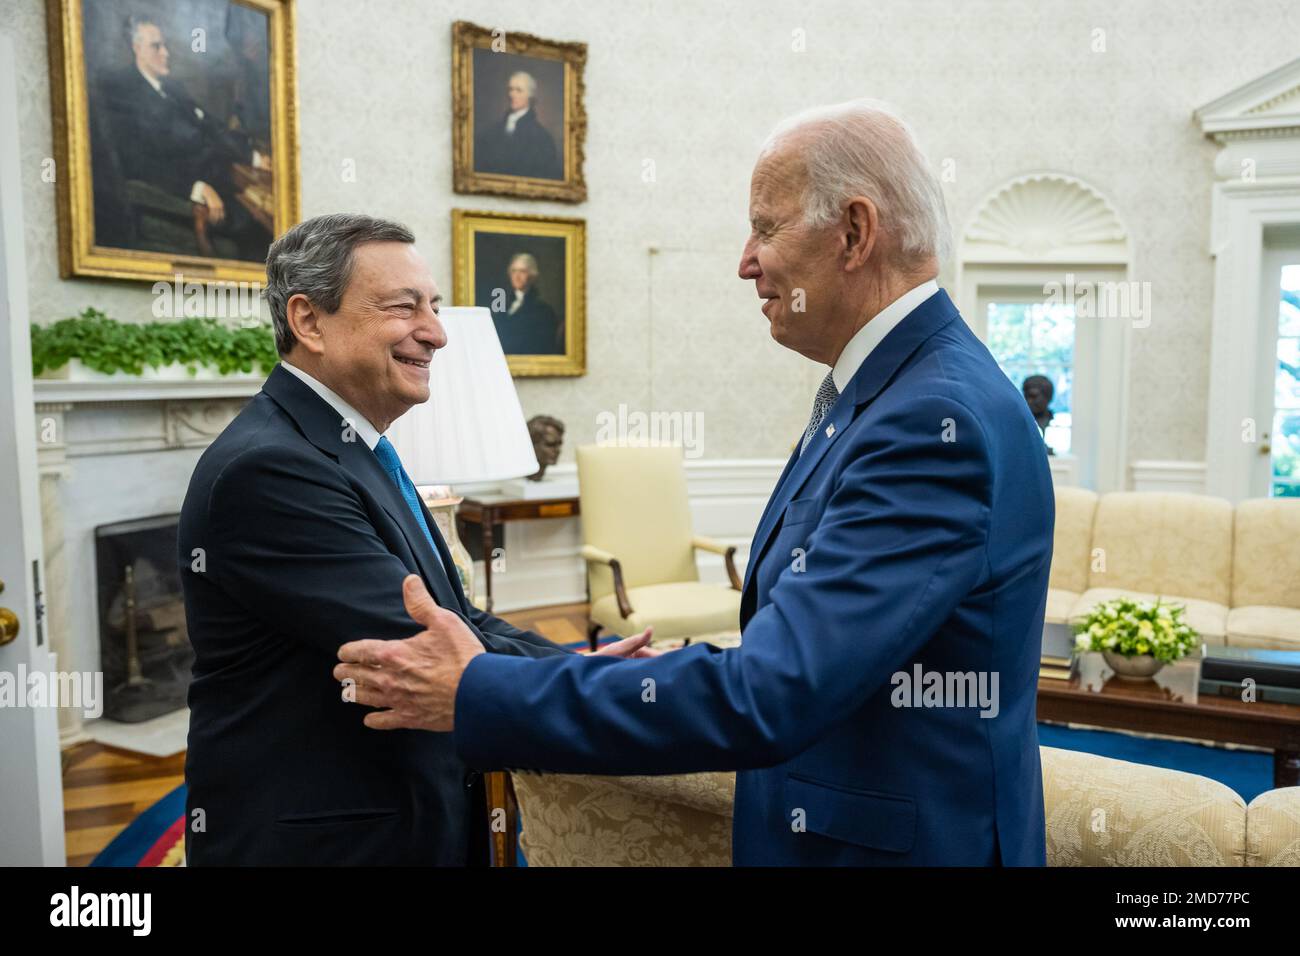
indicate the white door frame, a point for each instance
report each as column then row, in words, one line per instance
column 1257, row 168
column 31, row 785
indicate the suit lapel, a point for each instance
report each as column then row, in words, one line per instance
column 321, row 425
column 875, row 373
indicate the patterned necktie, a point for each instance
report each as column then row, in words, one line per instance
column 826, row 396
column 387, row 456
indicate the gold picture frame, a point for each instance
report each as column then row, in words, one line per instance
column 262, row 194
column 541, row 320
column 498, row 172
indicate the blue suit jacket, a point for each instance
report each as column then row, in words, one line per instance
column 914, row 532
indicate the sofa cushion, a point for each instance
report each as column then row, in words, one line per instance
column 1209, row 619
column 1163, row 543
column 1266, row 561
column 1106, row 812
column 1271, row 628
column 1273, row 828
column 1059, row 605
column 1072, row 538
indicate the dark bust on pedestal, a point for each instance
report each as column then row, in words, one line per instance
column 547, row 434
column 1038, row 391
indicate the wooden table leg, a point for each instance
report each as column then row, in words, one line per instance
column 503, row 818
column 487, row 560
column 1286, row 768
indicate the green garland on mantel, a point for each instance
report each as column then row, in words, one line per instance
column 109, row 346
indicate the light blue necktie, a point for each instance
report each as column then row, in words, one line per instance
column 387, row 456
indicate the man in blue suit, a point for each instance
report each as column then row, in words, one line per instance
column 881, row 707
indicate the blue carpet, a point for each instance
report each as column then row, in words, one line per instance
column 1245, row 771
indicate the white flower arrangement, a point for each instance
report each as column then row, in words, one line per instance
column 1133, row 628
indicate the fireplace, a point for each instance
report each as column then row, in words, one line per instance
column 144, row 646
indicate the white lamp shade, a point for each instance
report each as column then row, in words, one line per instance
column 472, row 427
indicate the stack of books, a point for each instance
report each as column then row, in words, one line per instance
column 1058, row 651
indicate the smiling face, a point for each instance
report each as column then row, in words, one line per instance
column 793, row 266
column 375, row 350
column 151, row 55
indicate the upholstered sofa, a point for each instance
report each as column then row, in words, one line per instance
column 1237, row 570
column 1099, row 811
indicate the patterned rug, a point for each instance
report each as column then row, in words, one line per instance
column 154, row 838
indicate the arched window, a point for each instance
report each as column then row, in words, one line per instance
column 1043, row 279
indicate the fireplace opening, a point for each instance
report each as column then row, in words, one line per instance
column 144, row 645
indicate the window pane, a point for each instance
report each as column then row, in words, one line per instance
column 1033, row 338
column 1285, row 438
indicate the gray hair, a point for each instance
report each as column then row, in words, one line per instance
column 529, row 82
column 314, row 259
column 135, row 22
column 862, row 148
column 530, row 263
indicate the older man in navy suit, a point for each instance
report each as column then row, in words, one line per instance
column 881, row 707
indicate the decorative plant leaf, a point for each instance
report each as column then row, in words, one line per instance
column 109, row 346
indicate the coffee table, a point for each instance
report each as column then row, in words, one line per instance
column 1145, row 707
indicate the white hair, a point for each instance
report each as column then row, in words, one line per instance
column 529, row 82
column 862, row 148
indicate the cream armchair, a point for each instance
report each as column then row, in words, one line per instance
column 1266, row 575
column 640, row 548
column 1173, row 546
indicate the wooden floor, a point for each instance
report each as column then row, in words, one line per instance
column 104, row 788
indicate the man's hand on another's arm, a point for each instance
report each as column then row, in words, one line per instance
column 415, row 679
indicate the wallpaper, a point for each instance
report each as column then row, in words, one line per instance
column 1101, row 90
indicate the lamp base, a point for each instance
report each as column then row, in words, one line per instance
column 442, row 505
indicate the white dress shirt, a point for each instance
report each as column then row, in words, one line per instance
column 513, row 118
column 360, row 424
column 874, row 332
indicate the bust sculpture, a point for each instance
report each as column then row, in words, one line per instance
column 1038, row 391
column 547, row 434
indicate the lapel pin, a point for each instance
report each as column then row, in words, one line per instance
column 830, row 430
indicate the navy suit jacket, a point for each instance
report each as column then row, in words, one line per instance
column 914, row 531
column 293, row 540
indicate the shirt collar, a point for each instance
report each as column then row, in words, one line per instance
column 367, row 432
column 874, row 332
column 156, row 84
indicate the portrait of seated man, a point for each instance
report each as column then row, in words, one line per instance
column 171, row 174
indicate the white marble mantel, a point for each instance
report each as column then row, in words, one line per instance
column 108, row 451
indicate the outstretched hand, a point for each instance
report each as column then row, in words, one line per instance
column 414, row 679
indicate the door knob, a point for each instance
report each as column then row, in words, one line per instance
column 8, row 622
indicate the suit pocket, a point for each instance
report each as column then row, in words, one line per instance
column 361, row 837
column 867, row 818
column 797, row 512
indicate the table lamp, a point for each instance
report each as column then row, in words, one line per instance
column 471, row 429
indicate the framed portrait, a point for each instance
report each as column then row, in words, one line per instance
column 531, row 273
column 518, row 118
column 175, row 127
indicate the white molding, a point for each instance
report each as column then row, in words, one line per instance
column 1258, row 167
column 133, row 389
column 1268, row 105
column 1180, row 476
column 1045, row 217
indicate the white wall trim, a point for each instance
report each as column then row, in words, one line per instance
column 1180, row 476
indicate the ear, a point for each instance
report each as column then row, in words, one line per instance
column 861, row 230
column 304, row 320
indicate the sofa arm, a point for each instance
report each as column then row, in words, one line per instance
column 727, row 551
column 594, row 555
